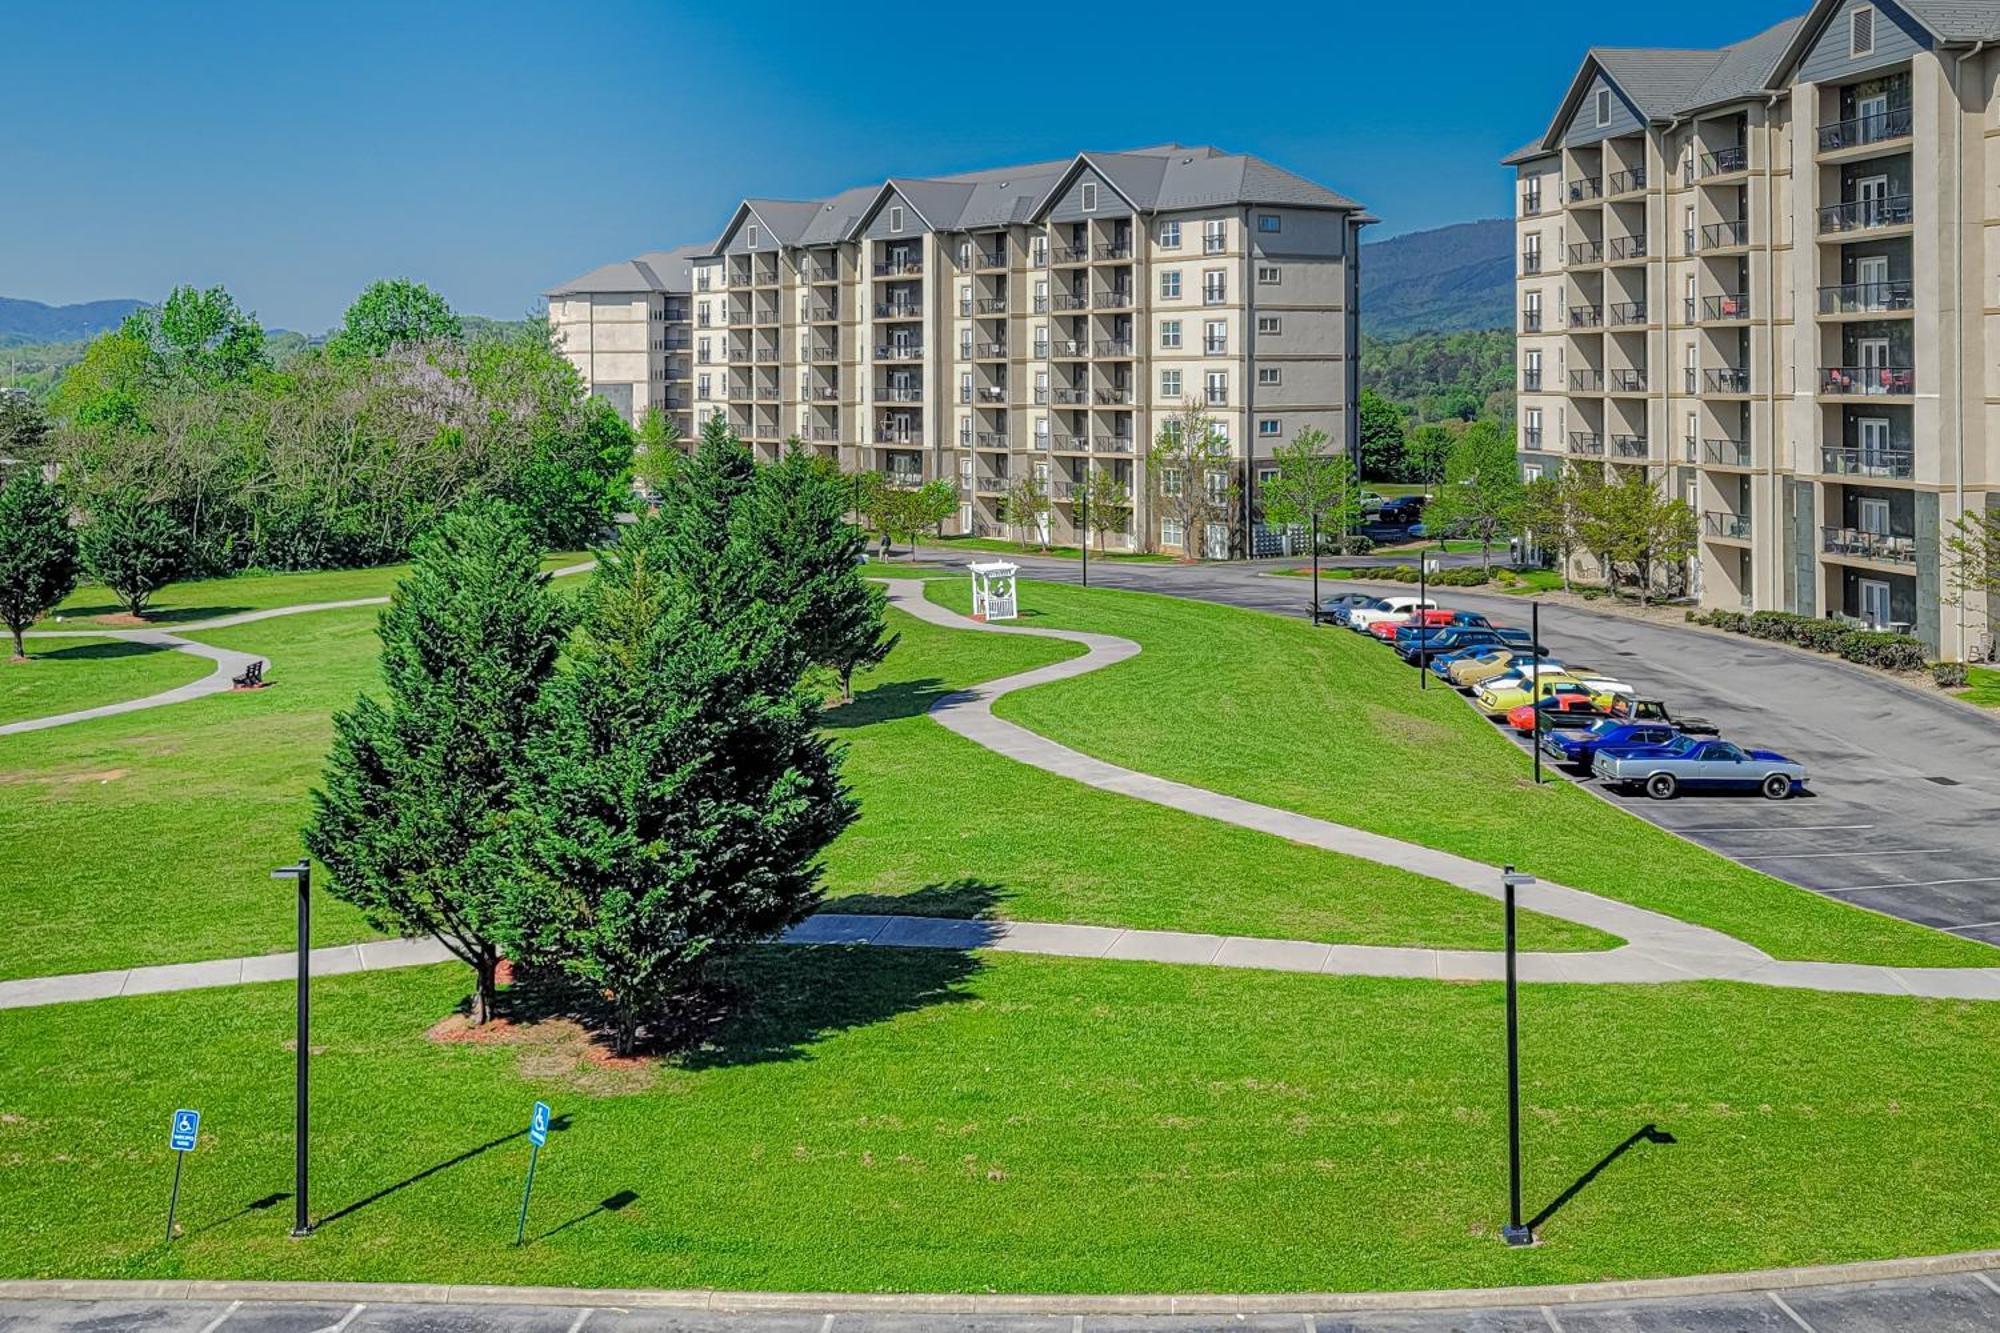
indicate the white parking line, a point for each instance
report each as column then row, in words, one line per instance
column 1786, row 828
column 222, row 1318
column 1879, row 851
column 1988, row 1281
column 1914, row 884
column 345, row 1320
column 582, row 1318
column 1779, row 1301
column 1976, row 925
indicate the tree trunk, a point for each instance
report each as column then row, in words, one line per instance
column 625, row 1033
column 485, row 985
column 20, row 648
column 847, row 684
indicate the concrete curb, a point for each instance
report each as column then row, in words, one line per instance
column 1469, row 1298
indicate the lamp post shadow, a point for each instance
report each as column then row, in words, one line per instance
column 1647, row 1133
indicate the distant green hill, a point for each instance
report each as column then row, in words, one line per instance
column 33, row 322
column 1439, row 281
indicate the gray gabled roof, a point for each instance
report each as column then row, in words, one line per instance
column 654, row 271
column 1956, row 20
column 1744, row 68
column 1656, row 82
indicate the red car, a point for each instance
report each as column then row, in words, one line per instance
column 1386, row 629
column 1573, row 700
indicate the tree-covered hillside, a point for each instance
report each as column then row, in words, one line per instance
column 1442, row 280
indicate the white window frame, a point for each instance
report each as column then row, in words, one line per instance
column 1269, row 223
column 1215, row 286
column 1270, row 275
column 1088, row 197
column 1215, row 337
column 1860, row 18
column 1170, row 235
column 1170, row 334
column 1170, row 284
column 1171, row 533
column 1170, row 384
column 1270, row 326
column 1270, row 375
column 1269, row 428
column 1214, row 236
column 895, row 217
column 1603, row 107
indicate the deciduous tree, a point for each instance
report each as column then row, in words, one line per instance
column 1481, row 495
column 1108, row 503
column 1381, row 438
column 1314, row 485
column 391, row 312
column 1191, row 471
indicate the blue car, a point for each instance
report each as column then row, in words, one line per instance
column 1419, row 649
column 1578, row 747
column 1475, row 644
column 1691, row 763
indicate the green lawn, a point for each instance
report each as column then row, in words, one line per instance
column 1982, row 687
column 1271, row 709
column 891, row 1120
column 62, row 675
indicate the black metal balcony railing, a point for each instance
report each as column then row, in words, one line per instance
column 890, row 268
column 1041, row 305
column 1858, row 298
column 822, row 314
column 892, row 352
column 823, row 434
column 1725, row 453
column 1628, row 381
column 1860, row 544
column 1067, row 348
column 1862, row 214
column 992, row 394
column 1896, row 464
column 1588, row 187
column 1113, row 300
column 822, row 393
column 1626, row 182
column 990, row 351
column 1726, row 379
column 1725, row 235
column 1215, row 346
column 1586, row 381
column 1718, row 523
column 1071, row 254
column 901, row 435
column 1117, row 397
column 898, row 310
column 1630, row 446
column 1531, row 203
column 1531, row 321
column 1586, row 252
column 1585, row 442
column 1068, row 397
column 1586, row 316
column 1729, row 305
column 990, row 258
column 1531, row 381
column 1531, row 261
column 1218, row 398
column 1868, row 381
column 1114, row 250
column 1119, row 347
column 1627, row 312
column 992, row 305
column 896, row 393
column 1627, row 247
column 1531, row 437
column 1113, row 444
column 1723, row 161
column 1687, row 240
column 1071, row 444
column 1072, row 301
column 992, row 439
column 1877, row 128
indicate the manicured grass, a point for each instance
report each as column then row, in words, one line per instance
column 1982, row 687
column 909, row 1120
column 204, row 599
column 1333, row 725
column 62, row 675
column 1060, row 552
column 951, row 829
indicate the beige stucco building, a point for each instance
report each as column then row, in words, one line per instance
column 1043, row 319
column 627, row 328
column 1770, row 276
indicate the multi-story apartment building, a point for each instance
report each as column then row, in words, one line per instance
column 629, row 330
column 1039, row 320
column 1770, row 276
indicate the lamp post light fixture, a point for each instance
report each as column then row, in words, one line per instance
column 1516, row 1232
column 301, row 874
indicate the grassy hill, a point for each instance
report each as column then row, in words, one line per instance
column 1443, row 280
column 28, row 322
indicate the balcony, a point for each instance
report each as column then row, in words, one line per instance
column 989, row 351
column 1040, row 305
column 1114, row 250
column 1732, row 527
column 1725, row 235
column 900, row 352
column 898, row 310
column 992, row 485
column 1868, row 298
column 1215, row 347
column 1863, row 130
column 824, row 434
column 1071, row 254
column 1868, row 381
column 1586, row 252
column 992, row 305
column 1892, row 464
column 1065, row 397
column 1585, row 189
column 898, row 268
column 1071, row 349
column 1723, row 162
column 1531, row 321
column 1213, row 243
column 1071, row 444
column 822, row 393
column 1586, row 316
column 992, row 439
column 1531, row 437
column 1113, row 444
column 1626, row 182
column 1726, row 379
column 888, row 434
column 767, row 393
column 1866, row 215
column 1113, row 300
column 1531, row 203
column 991, row 395
column 1628, row 312
column 1628, row 381
column 739, row 275
column 1586, row 442
column 1630, row 446
column 1531, row 381
column 1114, row 347
column 1729, row 305
column 822, row 313
column 1725, row 453
column 899, row 393
column 1531, row 262
column 1627, row 247
column 1860, row 544
column 1115, row 397
column 982, row 258
column 1586, row 381
column 1072, row 300
column 1216, row 398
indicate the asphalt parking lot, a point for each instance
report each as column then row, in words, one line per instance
column 1902, row 815
column 1958, row 1303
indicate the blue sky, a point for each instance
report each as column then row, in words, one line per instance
column 294, row 152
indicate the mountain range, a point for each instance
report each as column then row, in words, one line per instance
column 33, row 322
column 1439, row 281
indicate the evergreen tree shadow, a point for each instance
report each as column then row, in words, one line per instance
column 966, row 898
column 159, row 617
column 885, row 702
column 94, row 652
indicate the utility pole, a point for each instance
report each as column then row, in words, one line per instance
column 1516, row 1232
column 301, row 874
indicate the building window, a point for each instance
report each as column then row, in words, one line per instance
column 1267, row 222
column 1218, row 388
column 1269, row 274
column 1170, row 235
column 1531, row 472
column 1531, row 428
column 896, row 218
column 1214, row 233
column 1214, row 287
column 965, row 254
column 1090, row 196
column 1270, row 324
column 1170, row 384
column 1603, row 106
column 1267, row 475
column 1215, row 337
column 1170, row 481
column 750, row 237
column 1038, row 249
column 1267, row 429
column 1170, row 531
column 1170, row 284
column 1170, row 334
column 1861, row 31
column 1270, row 375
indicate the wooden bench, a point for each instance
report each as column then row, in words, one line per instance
column 252, row 677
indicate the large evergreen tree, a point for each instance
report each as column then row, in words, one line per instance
column 411, row 818
column 678, row 795
column 698, row 516
column 133, row 547
column 38, row 556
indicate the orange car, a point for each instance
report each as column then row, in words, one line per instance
column 1386, row 629
column 1574, row 705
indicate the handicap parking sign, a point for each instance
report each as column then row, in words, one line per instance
column 538, row 1125
column 185, row 1126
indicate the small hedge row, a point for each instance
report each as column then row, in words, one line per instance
column 1461, row 576
column 1884, row 649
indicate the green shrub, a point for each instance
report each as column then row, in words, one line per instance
column 1950, row 675
column 1884, row 649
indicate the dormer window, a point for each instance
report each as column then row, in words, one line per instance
column 1603, row 106
column 896, row 218
column 1090, row 196
column 1861, row 31
column 750, row 237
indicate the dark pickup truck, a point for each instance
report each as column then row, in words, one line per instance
column 1652, row 710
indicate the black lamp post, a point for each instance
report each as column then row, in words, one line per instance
column 1535, row 661
column 1516, row 1232
column 1083, row 525
column 301, row 874
column 1315, row 546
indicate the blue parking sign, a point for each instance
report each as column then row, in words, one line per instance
column 538, row 1125
column 185, row 1127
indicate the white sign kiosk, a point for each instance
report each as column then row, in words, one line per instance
column 993, row 590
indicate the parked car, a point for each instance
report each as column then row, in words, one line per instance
column 1694, row 763
column 1502, row 695
column 1603, row 688
column 1566, row 707
column 1449, row 642
column 1331, row 608
column 1652, row 710
column 1469, row 675
column 1430, row 617
column 1577, row 747
column 1413, row 628
column 1402, row 511
column 1371, row 502
column 1385, row 608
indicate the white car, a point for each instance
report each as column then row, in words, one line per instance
column 1371, row 503
column 1392, row 608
